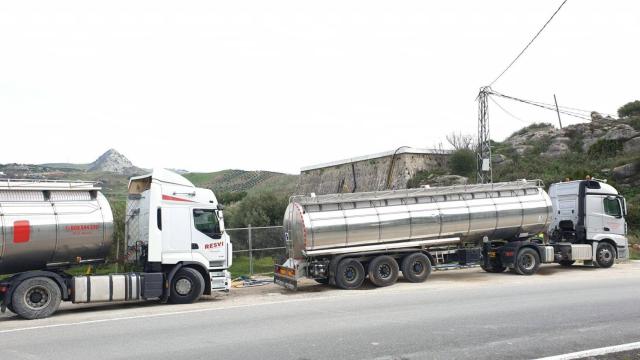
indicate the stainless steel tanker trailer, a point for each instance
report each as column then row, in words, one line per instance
column 174, row 231
column 342, row 239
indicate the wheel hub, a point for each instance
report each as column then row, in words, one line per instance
column 350, row 273
column 183, row 287
column 527, row 261
column 37, row 297
column 384, row 271
column 417, row 267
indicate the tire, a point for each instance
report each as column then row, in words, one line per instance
column 416, row 267
column 187, row 286
column 566, row 263
column 605, row 255
column 493, row 269
column 36, row 298
column 349, row 274
column 527, row 262
column 383, row 271
column 323, row 281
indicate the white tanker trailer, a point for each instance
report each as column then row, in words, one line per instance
column 342, row 239
column 174, row 231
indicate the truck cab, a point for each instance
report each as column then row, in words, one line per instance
column 171, row 222
column 589, row 212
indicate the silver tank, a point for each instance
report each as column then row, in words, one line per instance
column 45, row 224
column 471, row 212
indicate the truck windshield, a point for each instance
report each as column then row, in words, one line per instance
column 206, row 221
column 612, row 207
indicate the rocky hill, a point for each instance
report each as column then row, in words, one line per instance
column 113, row 161
column 605, row 148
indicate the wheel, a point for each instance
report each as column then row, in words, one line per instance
column 566, row 263
column 383, row 271
column 527, row 262
column 323, row 281
column 493, row 269
column 36, row 298
column 416, row 267
column 186, row 287
column 605, row 255
column 349, row 274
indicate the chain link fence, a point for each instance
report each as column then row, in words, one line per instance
column 256, row 249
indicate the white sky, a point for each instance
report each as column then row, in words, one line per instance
column 276, row 85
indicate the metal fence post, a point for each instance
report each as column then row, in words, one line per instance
column 250, row 252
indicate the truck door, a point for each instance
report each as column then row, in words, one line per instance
column 613, row 220
column 206, row 237
column 594, row 215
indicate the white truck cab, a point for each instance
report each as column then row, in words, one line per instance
column 169, row 221
column 589, row 212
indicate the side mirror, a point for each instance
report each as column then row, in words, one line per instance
column 220, row 207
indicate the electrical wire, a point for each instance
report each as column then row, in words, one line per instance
column 507, row 111
column 529, row 44
column 543, row 105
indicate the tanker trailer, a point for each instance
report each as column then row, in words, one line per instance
column 342, row 239
column 174, row 230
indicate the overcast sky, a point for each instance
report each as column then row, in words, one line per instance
column 277, row 85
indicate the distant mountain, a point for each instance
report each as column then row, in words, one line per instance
column 112, row 161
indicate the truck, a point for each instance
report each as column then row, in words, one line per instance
column 176, row 246
column 342, row 239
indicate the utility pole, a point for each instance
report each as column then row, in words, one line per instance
column 483, row 151
column 557, row 110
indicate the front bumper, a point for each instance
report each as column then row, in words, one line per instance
column 220, row 280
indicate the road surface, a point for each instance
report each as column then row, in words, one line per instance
column 465, row 314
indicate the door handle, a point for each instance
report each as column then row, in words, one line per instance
column 194, row 246
column 606, row 228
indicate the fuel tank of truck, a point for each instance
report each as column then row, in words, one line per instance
column 498, row 211
column 49, row 224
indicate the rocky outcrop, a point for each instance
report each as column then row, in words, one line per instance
column 558, row 147
column 583, row 135
column 626, row 171
column 632, row 146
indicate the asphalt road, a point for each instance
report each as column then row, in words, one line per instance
column 464, row 314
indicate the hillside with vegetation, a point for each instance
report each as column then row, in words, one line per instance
column 604, row 148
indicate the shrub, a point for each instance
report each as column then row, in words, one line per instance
column 630, row 109
column 463, row 162
column 605, row 148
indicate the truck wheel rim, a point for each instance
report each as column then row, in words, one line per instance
column 350, row 273
column 37, row 297
column 384, row 271
column 527, row 261
column 605, row 255
column 417, row 267
column 183, row 286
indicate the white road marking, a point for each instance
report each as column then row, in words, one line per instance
column 595, row 352
column 97, row 321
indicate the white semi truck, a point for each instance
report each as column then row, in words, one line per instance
column 174, row 232
column 342, row 239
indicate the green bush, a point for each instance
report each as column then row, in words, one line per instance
column 463, row 162
column 261, row 209
column 635, row 123
column 605, row 148
column 230, row 197
column 630, row 109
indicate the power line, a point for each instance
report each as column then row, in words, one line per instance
column 507, row 111
column 529, row 44
column 542, row 105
